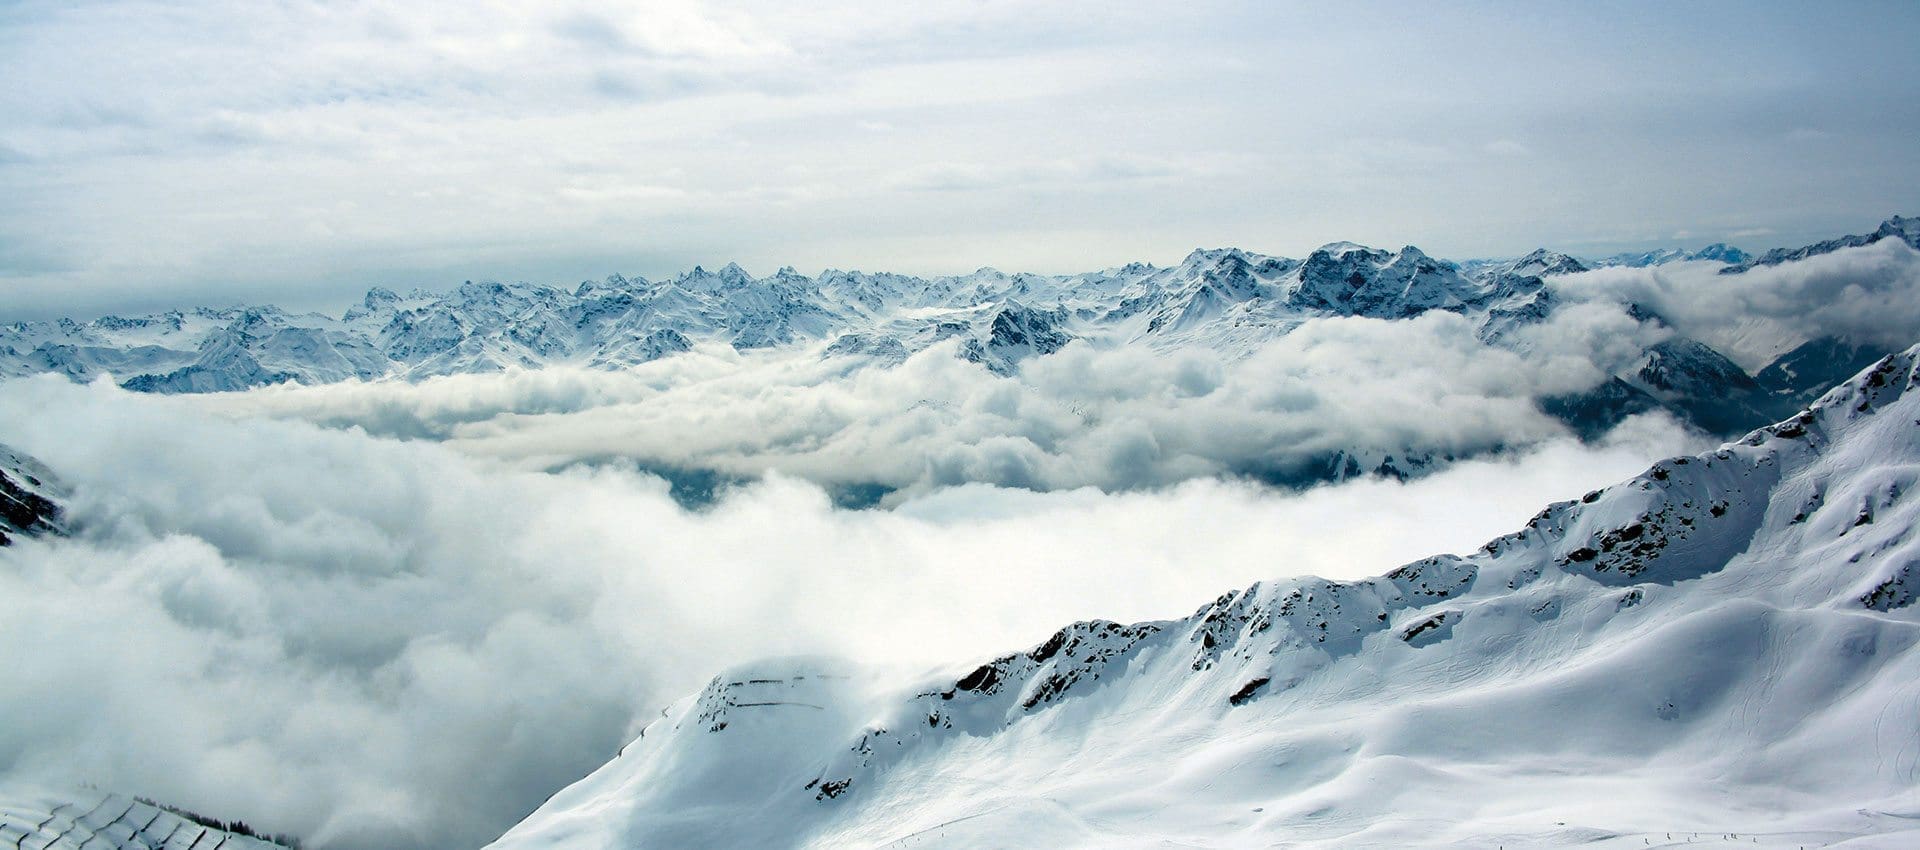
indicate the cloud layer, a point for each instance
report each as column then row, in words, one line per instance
column 1116, row 419
column 1869, row 294
column 398, row 644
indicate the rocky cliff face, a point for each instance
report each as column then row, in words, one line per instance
column 29, row 497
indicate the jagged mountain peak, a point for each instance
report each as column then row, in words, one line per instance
column 1209, row 256
column 1900, row 226
column 1358, row 281
column 379, row 299
column 1227, row 300
column 1335, row 249
column 1541, row 262
column 1720, row 252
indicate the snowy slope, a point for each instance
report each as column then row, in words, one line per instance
column 41, row 819
column 1819, row 362
column 29, row 497
column 1720, row 651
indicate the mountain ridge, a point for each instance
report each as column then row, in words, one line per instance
column 489, row 326
column 1225, row 302
column 1719, row 620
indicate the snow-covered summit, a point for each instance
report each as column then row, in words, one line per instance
column 1718, row 252
column 1540, row 263
column 1356, row 281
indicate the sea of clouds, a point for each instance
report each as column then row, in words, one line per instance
column 1126, row 417
column 410, row 643
column 392, row 615
column 1117, row 419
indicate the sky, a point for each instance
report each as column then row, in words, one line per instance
column 158, row 155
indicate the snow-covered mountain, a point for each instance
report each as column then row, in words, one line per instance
column 44, row 819
column 1718, row 252
column 1723, row 651
column 29, row 497
column 1897, row 227
column 1224, row 300
column 1819, row 362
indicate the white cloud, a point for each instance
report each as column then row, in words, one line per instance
column 1870, row 294
column 1116, row 419
column 392, row 644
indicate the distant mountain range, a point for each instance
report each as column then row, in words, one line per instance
column 1721, row 650
column 1226, row 300
column 1904, row 229
column 1718, row 252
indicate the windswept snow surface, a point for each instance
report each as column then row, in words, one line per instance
column 33, row 818
column 1717, row 652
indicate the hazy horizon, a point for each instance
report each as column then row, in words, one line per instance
column 164, row 157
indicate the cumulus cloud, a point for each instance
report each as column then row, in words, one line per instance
column 385, row 643
column 1870, row 294
column 1115, row 419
